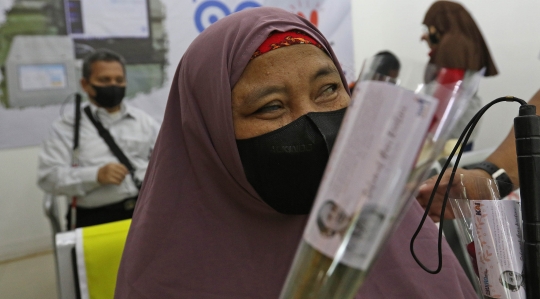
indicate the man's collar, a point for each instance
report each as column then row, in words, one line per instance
column 125, row 110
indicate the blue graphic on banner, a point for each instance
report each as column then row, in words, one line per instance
column 213, row 16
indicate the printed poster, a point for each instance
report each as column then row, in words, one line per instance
column 41, row 61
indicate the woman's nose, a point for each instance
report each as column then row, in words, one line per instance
column 303, row 106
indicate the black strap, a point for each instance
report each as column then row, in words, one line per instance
column 77, row 121
column 104, row 133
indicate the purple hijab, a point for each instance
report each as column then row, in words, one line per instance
column 201, row 231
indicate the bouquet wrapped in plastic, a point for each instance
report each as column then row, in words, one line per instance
column 393, row 130
column 490, row 229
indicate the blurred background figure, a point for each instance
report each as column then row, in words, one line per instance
column 456, row 45
column 384, row 66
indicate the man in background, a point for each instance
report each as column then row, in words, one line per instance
column 102, row 188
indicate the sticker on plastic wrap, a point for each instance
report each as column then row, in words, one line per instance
column 375, row 151
column 498, row 245
column 514, row 195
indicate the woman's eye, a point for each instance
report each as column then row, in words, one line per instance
column 268, row 109
column 330, row 89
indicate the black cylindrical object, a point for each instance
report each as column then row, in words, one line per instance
column 77, row 121
column 527, row 131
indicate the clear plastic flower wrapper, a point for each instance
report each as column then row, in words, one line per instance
column 490, row 229
column 392, row 132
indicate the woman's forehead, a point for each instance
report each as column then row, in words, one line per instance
column 292, row 53
column 300, row 60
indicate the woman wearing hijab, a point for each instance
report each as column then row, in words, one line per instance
column 218, row 217
column 456, row 45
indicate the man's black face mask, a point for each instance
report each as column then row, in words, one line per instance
column 286, row 166
column 109, row 96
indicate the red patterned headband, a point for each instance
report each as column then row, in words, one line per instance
column 278, row 40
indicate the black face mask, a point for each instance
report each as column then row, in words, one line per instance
column 286, row 166
column 109, row 96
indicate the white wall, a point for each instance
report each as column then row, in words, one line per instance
column 511, row 29
column 23, row 227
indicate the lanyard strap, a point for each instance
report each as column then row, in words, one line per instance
column 107, row 137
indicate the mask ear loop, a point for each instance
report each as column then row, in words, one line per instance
column 463, row 139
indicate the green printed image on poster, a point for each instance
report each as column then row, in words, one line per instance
column 43, row 41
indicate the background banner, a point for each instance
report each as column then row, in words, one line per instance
column 42, row 43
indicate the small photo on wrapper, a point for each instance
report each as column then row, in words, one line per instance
column 511, row 280
column 332, row 219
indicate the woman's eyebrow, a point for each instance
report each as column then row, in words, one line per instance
column 324, row 71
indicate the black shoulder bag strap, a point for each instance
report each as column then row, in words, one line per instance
column 104, row 133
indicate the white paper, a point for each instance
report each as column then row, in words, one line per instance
column 114, row 18
column 42, row 77
column 498, row 246
column 378, row 143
